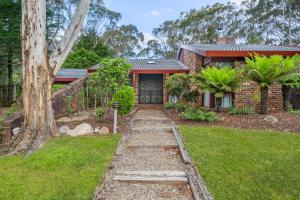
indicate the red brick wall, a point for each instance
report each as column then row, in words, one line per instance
column 190, row 59
column 249, row 95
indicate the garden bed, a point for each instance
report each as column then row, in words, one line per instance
column 286, row 121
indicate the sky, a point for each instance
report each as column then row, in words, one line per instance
column 149, row 14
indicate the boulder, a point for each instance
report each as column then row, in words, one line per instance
column 104, row 131
column 97, row 130
column 16, row 131
column 63, row 130
column 271, row 119
column 81, row 130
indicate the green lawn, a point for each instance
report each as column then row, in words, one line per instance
column 245, row 164
column 65, row 168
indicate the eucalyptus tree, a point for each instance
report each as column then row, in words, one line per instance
column 39, row 69
column 124, row 40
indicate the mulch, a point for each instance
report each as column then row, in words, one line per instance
column 286, row 121
column 123, row 122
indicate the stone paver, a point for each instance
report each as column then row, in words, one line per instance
column 150, row 147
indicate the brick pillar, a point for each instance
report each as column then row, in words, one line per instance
column 135, row 80
column 165, row 91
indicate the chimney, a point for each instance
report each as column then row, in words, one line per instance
column 226, row 40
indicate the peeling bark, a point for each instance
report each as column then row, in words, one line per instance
column 39, row 72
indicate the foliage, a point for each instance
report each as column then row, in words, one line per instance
column 270, row 70
column 100, row 114
column 184, row 86
column 93, row 42
column 69, row 104
column 181, row 106
column 199, row 115
column 245, row 164
column 293, row 111
column 124, row 40
column 81, row 59
column 242, row 111
column 255, row 22
column 57, row 87
column 126, row 98
column 169, row 105
column 220, row 80
column 72, row 167
column 112, row 74
column 16, row 107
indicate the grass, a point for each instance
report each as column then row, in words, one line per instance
column 57, row 87
column 246, row 164
column 65, row 168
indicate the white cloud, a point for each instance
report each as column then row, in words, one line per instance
column 154, row 12
column 148, row 36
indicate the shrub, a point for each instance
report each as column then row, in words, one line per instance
column 99, row 114
column 126, row 98
column 184, row 86
column 181, row 106
column 169, row 105
column 199, row 115
column 242, row 111
column 293, row 111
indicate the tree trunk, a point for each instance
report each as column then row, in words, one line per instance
column 39, row 72
column 218, row 103
column 286, row 95
column 39, row 122
column 264, row 92
column 10, row 79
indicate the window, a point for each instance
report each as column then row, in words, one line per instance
column 227, row 101
column 206, row 99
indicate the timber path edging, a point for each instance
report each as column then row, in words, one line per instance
column 149, row 163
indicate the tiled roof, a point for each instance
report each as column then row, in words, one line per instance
column 153, row 64
column 203, row 49
column 157, row 64
column 241, row 47
column 71, row 73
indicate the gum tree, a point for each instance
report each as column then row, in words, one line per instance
column 39, row 69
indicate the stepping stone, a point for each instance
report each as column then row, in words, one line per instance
column 158, row 140
column 159, row 177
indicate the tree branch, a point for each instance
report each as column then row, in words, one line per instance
column 64, row 47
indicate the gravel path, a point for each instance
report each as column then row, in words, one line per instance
column 151, row 146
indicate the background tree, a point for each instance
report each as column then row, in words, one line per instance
column 219, row 81
column 81, row 59
column 39, row 71
column 10, row 53
column 124, row 40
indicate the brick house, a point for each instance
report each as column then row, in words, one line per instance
column 148, row 76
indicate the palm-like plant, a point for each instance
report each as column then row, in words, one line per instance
column 267, row 71
column 291, row 79
column 219, row 81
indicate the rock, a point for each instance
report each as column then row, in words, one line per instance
column 16, row 131
column 63, row 130
column 104, row 131
column 271, row 119
column 97, row 130
column 81, row 130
